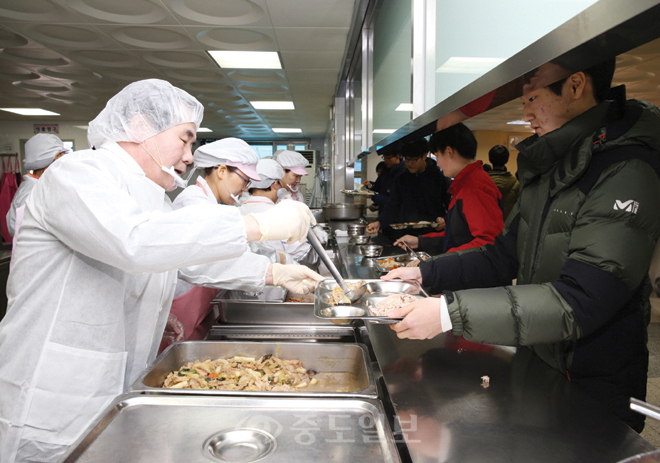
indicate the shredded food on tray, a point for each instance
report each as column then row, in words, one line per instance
column 337, row 295
column 392, row 302
column 388, row 264
column 268, row 373
column 302, row 298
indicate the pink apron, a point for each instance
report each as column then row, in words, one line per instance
column 192, row 310
column 8, row 187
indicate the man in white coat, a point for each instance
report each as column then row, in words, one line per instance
column 95, row 267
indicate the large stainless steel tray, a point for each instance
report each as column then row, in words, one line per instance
column 141, row 428
column 377, row 290
column 269, row 294
column 343, row 368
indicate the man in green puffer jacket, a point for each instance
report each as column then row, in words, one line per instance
column 579, row 242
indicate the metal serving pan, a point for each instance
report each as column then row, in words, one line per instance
column 282, row 333
column 343, row 211
column 343, row 368
column 141, row 428
column 266, row 312
column 377, row 290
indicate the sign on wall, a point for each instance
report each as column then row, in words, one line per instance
column 46, row 128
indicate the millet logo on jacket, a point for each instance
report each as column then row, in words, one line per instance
column 628, row 206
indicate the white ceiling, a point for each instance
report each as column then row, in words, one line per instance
column 638, row 69
column 71, row 56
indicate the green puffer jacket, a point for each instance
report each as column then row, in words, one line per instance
column 579, row 242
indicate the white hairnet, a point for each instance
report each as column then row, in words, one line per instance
column 229, row 152
column 292, row 160
column 144, row 109
column 269, row 170
column 40, row 150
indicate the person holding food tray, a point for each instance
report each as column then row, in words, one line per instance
column 95, row 267
column 474, row 217
column 419, row 194
column 578, row 242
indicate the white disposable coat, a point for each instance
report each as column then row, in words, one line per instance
column 89, row 293
column 247, row 272
column 24, row 189
column 297, row 250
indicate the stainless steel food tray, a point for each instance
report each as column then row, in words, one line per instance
column 269, row 294
column 282, row 333
column 141, row 428
column 377, row 290
column 262, row 312
column 343, row 366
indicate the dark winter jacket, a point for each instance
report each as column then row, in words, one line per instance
column 474, row 217
column 508, row 186
column 385, row 182
column 416, row 197
column 579, row 243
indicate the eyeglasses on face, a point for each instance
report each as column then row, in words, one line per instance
column 245, row 179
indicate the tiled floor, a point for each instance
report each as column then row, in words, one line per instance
column 652, row 428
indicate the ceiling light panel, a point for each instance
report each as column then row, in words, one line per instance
column 279, row 105
column 30, row 111
column 246, row 59
column 286, row 130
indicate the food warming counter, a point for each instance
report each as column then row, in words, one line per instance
column 437, row 400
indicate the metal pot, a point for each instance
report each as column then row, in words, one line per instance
column 343, row 211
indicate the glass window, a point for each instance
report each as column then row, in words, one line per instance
column 392, row 67
column 263, row 151
column 299, row 147
column 281, row 147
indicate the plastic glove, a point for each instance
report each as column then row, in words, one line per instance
column 296, row 278
column 424, row 319
column 321, row 234
column 289, row 220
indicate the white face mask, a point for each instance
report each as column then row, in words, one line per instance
column 283, row 193
column 178, row 181
column 294, row 190
column 237, row 199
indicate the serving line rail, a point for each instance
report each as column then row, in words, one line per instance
column 457, row 401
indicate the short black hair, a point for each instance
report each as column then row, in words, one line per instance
column 252, row 190
column 498, row 155
column 380, row 166
column 415, row 149
column 601, row 75
column 459, row 137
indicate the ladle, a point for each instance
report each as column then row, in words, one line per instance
column 353, row 295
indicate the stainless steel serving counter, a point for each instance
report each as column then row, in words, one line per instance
column 527, row 412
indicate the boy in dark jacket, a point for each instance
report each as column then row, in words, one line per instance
column 394, row 167
column 504, row 180
column 579, row 242
column 419, row 194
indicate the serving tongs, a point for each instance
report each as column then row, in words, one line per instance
column 411, row 251
column 351, row 295
column 645, row 408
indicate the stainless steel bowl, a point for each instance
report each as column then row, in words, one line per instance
column 371, row 250
column 356, row 229
column 360, row 239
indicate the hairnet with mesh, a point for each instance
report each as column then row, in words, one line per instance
column 269, row 170
column 144, row 109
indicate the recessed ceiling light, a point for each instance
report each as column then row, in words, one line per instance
column 469, row 65
column 404, row 107
column 519, row 122
column 384, row 131
column 272, row 104
column 204, row 129
column 283, row 130
column 246, row 59
column 30, row 111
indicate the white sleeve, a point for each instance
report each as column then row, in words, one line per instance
column 112, row 214
column 247, row 273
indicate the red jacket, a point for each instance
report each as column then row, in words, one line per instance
column 475, row 215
